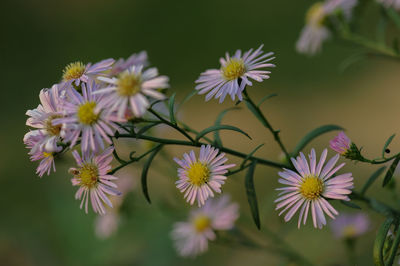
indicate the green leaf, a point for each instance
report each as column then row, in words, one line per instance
column 380, row 241
column 394, row 16
column 220, row 127
column 350, row 204
column 371, row 180
column 394, row 248
column 146, row 128
column 250, row 154
column 390, row 172
column 263, row 99
column 312, row 135
column 221, row 115
column 257, row 113
column 171, row 104
column 146, row 167
column 251, row 193
column 187, row 98
column 387, row 143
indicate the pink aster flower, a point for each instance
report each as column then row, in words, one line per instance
column 198, row 178
column 87, row 116
column 46, row 158
column 42, row 118
column 78, row 72
column 309, row 188
column 191, row 237
column 235, row 74
column 349, row 226
column 93, row 180
column 130, row 88
column 340, row 144
column 390, row 3
column 139, row 59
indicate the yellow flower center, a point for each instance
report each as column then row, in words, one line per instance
column 47, row 154
column 73, row 71
column 311, row 187
column 233, row 69
column 128, row 84
column 198, row 173
column 315, row 14
column 349, row 231
column 201, row 223
column 86, row 114
column 88, row 175
column 50, row 128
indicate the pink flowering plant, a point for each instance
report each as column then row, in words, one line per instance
column 96, row 106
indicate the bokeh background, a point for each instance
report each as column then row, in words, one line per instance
column 40, row 221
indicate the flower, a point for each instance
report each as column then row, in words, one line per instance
column 390, row 3
column 350, row 226
column 340, row 144
column 311, row 186
column 315, row 32
column 86, row 114
column 121, row 65
column 47, row 158
column 199, row 177
column 42, row 118
column 130, row 88
column 93, row 179
column 191, row 237
column 77, row 72
column 234, row 74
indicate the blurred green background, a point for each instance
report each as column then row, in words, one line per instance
column 41, row 223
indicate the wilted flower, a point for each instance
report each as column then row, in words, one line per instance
column 191, row 237
column 130, row 88
column 139, row 59
column 390, row 3
column 350, row 226
column 198, row 178
column 93, row 179
column 235, row 74
column 46, row 158
column 311, row 186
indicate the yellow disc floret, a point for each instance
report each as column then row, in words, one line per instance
column 315, row 14
column 201, row 223
column 349, row 231
column 50, row 128
column 233, row 69
column 47, row 154
column 311, row 188
column 198, row 173
column 74, row 71
column 86, row 113
column 88, row 175
column 128, row 84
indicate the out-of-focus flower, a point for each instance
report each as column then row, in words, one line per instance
column 350, row 226
column 139, row 59
column 46, row 158
column 309, row 188
column 390, row 3
column 235, row 74
column 198, row 178
column 130, row 88
column 77, row 72
column 341, row 143
column 87, row 116
column 42, row 118
column 315, row 32
column 93, row 180
column 191, row 237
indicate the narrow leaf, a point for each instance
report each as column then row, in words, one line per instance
column 257, row 113
column 312, row 135
column 146, row 128
column 371, row 180
column 390, row 172
column 387, row 143
column 187, row 98
column 221, row 115
column 350, row 204
column 220, row 127
column 251, row 154
column 146, row 167
column 395, row 247
column 380, row 241
column 171, row 104
column 263, row 99
column 394, row 16
column 251, row 193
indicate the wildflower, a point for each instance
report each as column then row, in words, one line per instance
column 46, row 158
column 350, row 226
column 191, row 237
column 315, row 32
column 341, row 143
column 93, row 179
column 198, row 178
column 311, row 186
column 235, row 74
column 86, row 116
column 390, row 3
column 77, row 72
column 121, row 65
column 130, row 88
column 42, row 118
